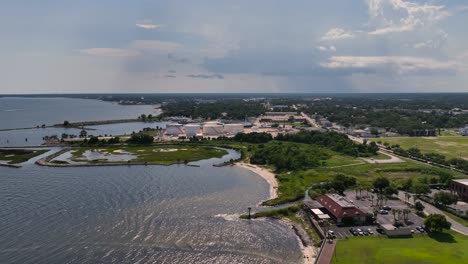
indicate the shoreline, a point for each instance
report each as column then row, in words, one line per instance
column 265, row 174
column 308, row 251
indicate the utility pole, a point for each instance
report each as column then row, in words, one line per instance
column 250, row 208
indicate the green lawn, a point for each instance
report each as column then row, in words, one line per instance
column 293, row 185
column 16, row 156
column 451, row 147
column 438, row 248
column 162, row 154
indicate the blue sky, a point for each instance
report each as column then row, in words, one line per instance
column 233, row 46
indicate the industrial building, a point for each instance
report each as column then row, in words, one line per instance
column 233, row 129
column 174, row 130
column 460, row 187
column 340, row 209
column 192, row 130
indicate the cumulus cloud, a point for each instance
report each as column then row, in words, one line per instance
column 324, row 48
column 206, row 76
column 337, row 34
column 109, row 52
column 147, row 24
column 409, row 15
column 396, row 64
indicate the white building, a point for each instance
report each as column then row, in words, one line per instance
column 233, row 129
column 464, row 131
column 192, row 130
column 211, row 129
column 174, row 129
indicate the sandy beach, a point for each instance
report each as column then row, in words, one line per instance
column 264, row 173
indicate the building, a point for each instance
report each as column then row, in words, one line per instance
column 464, row 131
column 174, row 129
column 213, row 129
column 233, row 129
column 340, row 209
column 460, row 187
column 192, row 130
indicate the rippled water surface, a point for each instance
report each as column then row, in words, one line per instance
column 138, row 214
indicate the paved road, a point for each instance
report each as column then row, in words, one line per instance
column 310, row 120
column 430, row 209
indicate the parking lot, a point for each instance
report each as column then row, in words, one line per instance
column 368, row 206
column 342, row 232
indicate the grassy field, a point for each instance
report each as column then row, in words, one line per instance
column 164, row 154
column 451, row 147
column 293, row 185
column 16, row 156
column 437, row 248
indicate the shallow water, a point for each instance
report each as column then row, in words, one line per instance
column 138, row 214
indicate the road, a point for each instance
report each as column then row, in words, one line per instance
column 430, row 209
column 311, row 121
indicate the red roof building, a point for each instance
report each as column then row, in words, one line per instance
column 340, row 208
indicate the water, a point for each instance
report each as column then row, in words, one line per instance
column 138, row 214
column 30, row 112
column 15, row 138
column 130, row 214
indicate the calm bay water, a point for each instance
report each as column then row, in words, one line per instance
column 30, row 112
column 138, row 214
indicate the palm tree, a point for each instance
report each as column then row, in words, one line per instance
column 406, row 212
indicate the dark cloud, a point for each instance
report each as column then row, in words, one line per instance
column 206, row 76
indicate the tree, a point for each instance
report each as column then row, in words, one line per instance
column 66, row 123
column 436, row 223
column 381, row 183
column 406, row 213
column 445, row 198
column 140, row 138
column 421, row 188
column 419, row 206
column 93, row 140
column 389, row 190
column 83, row 133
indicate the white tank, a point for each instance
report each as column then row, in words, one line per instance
column 192, row 130
column 174, row 129
column 213, row 130
column 233, row 128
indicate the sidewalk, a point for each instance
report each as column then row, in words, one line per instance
column 327, row 253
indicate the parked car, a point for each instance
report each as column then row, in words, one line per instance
column 387, row 208
column 380, row 230
column 353, row 231
column 365, row 232
column 370, row 231
column 420, row 229
column 383, row 212
column 331, row 233
column 359, row 231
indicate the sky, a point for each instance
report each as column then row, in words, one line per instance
column 172, row 46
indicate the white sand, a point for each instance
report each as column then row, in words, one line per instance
column 265, row 174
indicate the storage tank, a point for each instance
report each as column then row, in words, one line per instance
column 174, row 129
column 192, row 130
column 233, row 128
column 213, row 130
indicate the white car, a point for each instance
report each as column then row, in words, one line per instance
column 370, row 231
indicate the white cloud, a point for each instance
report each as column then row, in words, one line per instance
column 337, row 34
column 324, row 48
column 398, row 64
column 109, row 52
column 409, row 15
column 147, row 24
